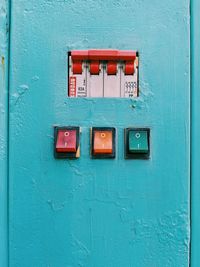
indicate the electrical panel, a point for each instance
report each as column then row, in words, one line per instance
column 99, row 134
column 103, row 73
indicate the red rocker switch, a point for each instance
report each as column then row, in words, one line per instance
column 67, row 142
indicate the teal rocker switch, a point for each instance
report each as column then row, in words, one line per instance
column 137, row 143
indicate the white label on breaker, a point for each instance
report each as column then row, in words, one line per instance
column 81, row 88
column 77, row 87
column 129, row 84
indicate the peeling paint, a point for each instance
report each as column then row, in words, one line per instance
column 2, row 61
column 17, row 96
column 56, row 206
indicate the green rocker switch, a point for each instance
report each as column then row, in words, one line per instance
column 137, row 143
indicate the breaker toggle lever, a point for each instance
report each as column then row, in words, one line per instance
column 129, row 68
column 112, row 68
column 77, row 67
column 94, row 67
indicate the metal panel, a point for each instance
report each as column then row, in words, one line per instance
column 195, row 197
column 88, row 212
column 4, row 53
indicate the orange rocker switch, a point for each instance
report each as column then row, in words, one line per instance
column 103, row 142
column 67, row 142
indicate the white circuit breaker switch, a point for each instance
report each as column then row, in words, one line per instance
column 77, row 76
column 112, row 79
column 95, row 79
column 103, row 73
column 129, row 79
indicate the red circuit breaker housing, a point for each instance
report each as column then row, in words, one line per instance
column 103, row 73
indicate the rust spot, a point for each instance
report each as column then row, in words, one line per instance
column 2, row 60
column 3, row 67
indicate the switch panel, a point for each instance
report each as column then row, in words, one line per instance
column 137, row 143
column 103, row 142
column 66, row 142
column 103, row 73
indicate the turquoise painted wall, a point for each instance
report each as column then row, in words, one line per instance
column 99, row 213
column 4, row 111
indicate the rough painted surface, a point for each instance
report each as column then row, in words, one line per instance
column 195, row 49
column 99, row 213
column 4, row 44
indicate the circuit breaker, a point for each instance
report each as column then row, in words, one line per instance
column 103, row 73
